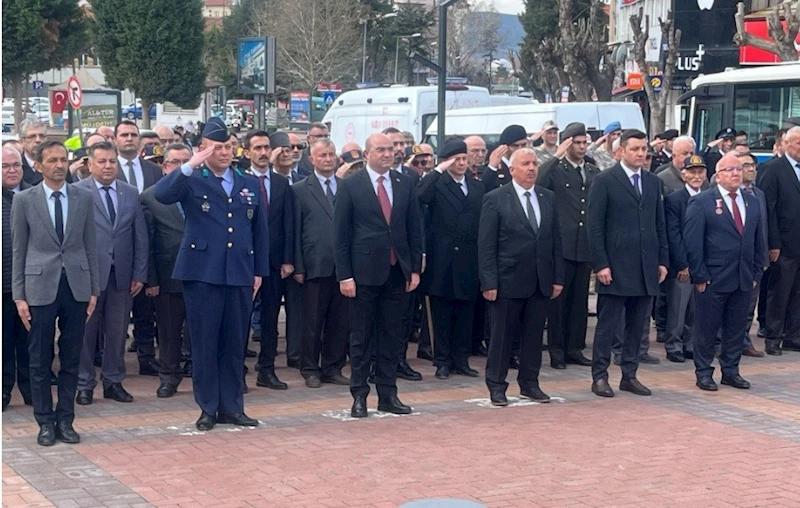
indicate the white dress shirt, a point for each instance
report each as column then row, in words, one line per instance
column 137, row 169
column 630, row 174
column 387, row 183
column 691, row 191
column 30, row 162
column 323, row 179
column 462, row 184
column 267, row 181
column 729, row 202
column 795, row 165
column 51, row 203
column 523, row 200
column 113, row 193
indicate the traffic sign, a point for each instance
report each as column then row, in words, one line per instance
column 328, row 98
column 37, row 85
column 74, row 92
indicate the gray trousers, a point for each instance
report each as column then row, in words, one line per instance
column 111, row 317
column 680, row 316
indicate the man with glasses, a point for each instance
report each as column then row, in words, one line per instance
column 33, row 133
column 165, row 135
column 725, row 246
column 497, row 173
column 316, row 131
column 476, row 156
column 165, row 225
column 399, row 145
column 421, row 159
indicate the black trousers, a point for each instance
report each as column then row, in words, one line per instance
column 763, row 290
column 16, row 367
column 783, row 300
column 411, row 321
column 479, row 335
column 376, row 326
column 611, row 310
column 569, row 313
column 452, row 331
column 425, row 338
column 511, row 318
column 170, row 316
column 272, row 290
column 144, row 328
column 326, row 328
column 720, row 311
column 71, row 317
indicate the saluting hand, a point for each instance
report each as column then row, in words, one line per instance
column 200, row 157
column 497, row 155
column 562, row 148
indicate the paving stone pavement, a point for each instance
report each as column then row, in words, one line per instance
column 680, row 447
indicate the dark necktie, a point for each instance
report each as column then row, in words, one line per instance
column 329, row 192
column 220, row 180
column 112, row 213
column 386, row 208
column 737, row 215
column 531, row 213
column 132, row 174
column 636, row 185
column 264, row 197
column 59, row 216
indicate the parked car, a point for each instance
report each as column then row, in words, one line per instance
column 8, row 116
column 134, row 111
column 42, row 112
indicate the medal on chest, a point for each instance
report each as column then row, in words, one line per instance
column 205, row 206
column 719, row 207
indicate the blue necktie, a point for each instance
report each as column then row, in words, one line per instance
column 636, row 185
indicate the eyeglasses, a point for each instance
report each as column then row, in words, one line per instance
column 735, row 169
column 748, row 165
column 12, row 165
column 477, row 150
column 301, row 146
column 36, row 136
column 180, row 162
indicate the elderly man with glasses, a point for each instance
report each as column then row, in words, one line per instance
column 32, row 134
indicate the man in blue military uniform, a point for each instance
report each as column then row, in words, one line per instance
column 223, row 255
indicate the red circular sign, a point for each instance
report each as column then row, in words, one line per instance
column 74, row 92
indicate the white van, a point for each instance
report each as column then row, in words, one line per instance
column 490, row 122
column 357, row 114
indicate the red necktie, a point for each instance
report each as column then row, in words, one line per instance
column 264, row 196
column 386, row 207
column 737, row 216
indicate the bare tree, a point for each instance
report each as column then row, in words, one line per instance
column 782, row 39
column 472, row 30
column 582, row 47
column 316, row 41
column 672, row 36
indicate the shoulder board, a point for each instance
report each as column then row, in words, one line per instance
column 239, row 172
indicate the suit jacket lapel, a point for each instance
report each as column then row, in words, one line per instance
column 369, row 190
column 619, row 172
column 316, row 190
column 72, row 211
column 792, row 173
column 725, row 211
column 98, row 200
column 44, row 212
column 517, row 206
column 397, row 183
column 453, row 187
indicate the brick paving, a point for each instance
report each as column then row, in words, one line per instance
column 680, row 447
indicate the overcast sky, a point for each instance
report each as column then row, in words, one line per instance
column 508, row 6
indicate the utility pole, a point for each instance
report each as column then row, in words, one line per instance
column 442, row 82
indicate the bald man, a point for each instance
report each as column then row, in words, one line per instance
column 476, row 156
column 165, row 134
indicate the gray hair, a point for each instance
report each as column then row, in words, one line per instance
column 9, row 152
column 30, row 124
column 792, row 133
column 324, row 142
column 685, row 139
column 521, row 151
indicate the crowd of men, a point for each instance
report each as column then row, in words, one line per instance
column 468, row 252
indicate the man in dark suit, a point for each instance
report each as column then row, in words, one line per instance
column 316, row 131
column 679, row 288
column 32, row 133
column 277, row 200
column 223, row 257
column 378, row 253
column 780, row 181
column 165, row 225
column 570, row 176
column 726, row 252
column 15, row 337
column 122, row 253
column 454, row 202
column 628, row 245
column 521, row 269
column 399, row 146
column 326, row 310
column 722, row 144
column 141, row 174
column 496, row 174
column 671, row 176
column 54, row 278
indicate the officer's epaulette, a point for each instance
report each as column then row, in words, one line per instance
column 239, row 172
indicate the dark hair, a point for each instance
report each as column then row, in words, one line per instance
column 125, row 122
column 46, row 145
column 780, row 134
column 317, row 125
column 103, row 145
column 148, row 135
column 631, row 134
column 254, row 134
column 391, row 130
column 741, row 133
column 173, row 147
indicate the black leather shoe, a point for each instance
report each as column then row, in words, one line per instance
column 336, row 379
column 601, row 388
column 118, row 393
column 27, row 399
column 359, row 409
column 206, row 421
column 249, row 353
column 634, row 386
column 736, row 381
column 47, row 435
column 578, row 359
column 689, row 355
column 661, row 337
column 676, row 357
column 498, row 398
column 706, row 383
column 404, row 371
column 293, row 364
column 313, row 381
column 514, row 363
column 6, row 400
column 789, row 345
column 535, row 394
column 773, row 347
column 166, row 390
column 424, row 354
column 480, row 351
column 558, row 364
column 84, row 397
column 466, row 371
column 649, row 359
column 268, row 379
column 239, row 419
column 98, row 360
column 187, row 368
column 66, row 434
column 762, row 332
column 393, row 405
column 442, row 372
column 148, row 369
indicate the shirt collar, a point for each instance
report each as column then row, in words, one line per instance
column 725, row 193
column 124, row 162
column 258, row 173
column 791, row 161
column 373, row 175
column 667, row 153
column 17, row 189
column 227, row 176
column 691, row 191
column 629, row 171
column 48, row 192
column 30, row 162
column 322, row 179
column 521, row 190
column 113, row 184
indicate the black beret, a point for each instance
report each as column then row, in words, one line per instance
column 573, row 129
column 279, row 140
column 631, row 134
column 670, row 134
column 512, row 134
column 453, row 148
column 215, row 130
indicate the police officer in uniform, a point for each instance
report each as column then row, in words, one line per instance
column 224, row 254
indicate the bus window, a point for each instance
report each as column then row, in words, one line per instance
column 707, row 121
column 760, row 110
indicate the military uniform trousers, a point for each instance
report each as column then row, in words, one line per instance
column 680, row 316
column 452, row 331
column 326, row 328
column 218, row 321
column 569, row 313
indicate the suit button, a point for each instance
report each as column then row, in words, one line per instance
column 192, row 246
column 583, row 188
column 230, row 230
column 456, row 248
column 230, row 215
column 230, row 200
column 230, row 245
column 583, row 200
column 583, row 212
column 580, row 224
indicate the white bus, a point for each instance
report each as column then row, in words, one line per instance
column 755, row 100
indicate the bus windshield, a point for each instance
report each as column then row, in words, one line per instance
column 760, row 110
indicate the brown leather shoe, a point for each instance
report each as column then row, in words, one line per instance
column 751, row 351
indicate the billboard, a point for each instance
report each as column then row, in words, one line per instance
column 300, row 107
column 255, row 65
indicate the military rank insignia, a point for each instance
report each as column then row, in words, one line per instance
column 205, row 206
column 250, row 213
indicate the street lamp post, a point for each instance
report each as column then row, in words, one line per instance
column 397, row 50
column 442, row 82
column 364, row 46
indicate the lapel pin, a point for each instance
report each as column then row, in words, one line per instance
column 500, row 175
column 397, row 180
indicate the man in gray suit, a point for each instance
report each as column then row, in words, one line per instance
column 54, row 278
column 122, row 252
column 670, row 174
